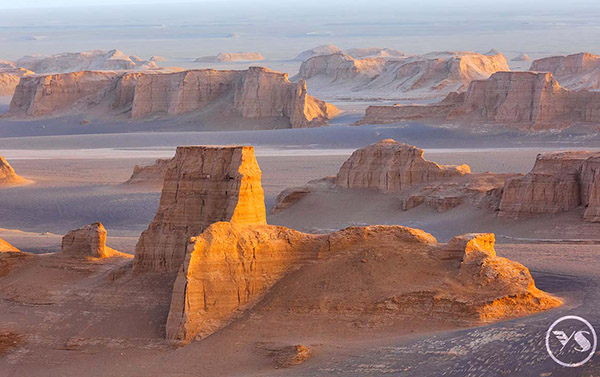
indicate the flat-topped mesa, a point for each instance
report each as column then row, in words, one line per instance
column 576, row 71
column 256, row 93
column 88, row 241
column 518, row 99
column 203, row 185
column 408, row 77
column 8, row 176
column 151, row 174
column 390, row 166
column 389, row 271
column 558, row 182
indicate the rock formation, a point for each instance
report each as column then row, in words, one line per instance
column 525, row 100
column 4, row 64
column 327, row 49
column 80, row 61
column 5, row 247
column 9, row 79
column 203, row 185
column 577, row 71
column 224, row 57
column 373, row 52
column 378, row 271
column 406, row 77
column 389, row 166
column 88, row 241
column 149, row 175
column 256, row 93
column 157, row 58
column 8, row 176
column 558, row 182
column 522, row 57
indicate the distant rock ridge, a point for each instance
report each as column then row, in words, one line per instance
column 522, row 57
column 224, row 57
column 525, row 100
column 426, row 76
column 325, row 49
column 8, row 176
column 151, row 174
column 82, row 61
column 203, row 185
column 558, row 182
column 230, row 267
column 576, row 71
column 88, row 241
column 257, row 93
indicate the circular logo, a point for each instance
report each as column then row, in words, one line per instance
column 571, row 341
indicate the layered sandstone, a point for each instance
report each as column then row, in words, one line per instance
column 9, row 79
column 558, row 182
column 8, row 176
column 525, row 100
column 149, row 175
column 202, row 185
column 389, row 166
column 576, row 71
column 397, row 77
column 81, row 61
column 256, row 93
column 88, row 241
column 377, row 271
column 224, row 57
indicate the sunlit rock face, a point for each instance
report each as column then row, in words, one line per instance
column 5, row 247
column 87, row 241
column 9, row 79
column 203, row 185
column 558, row 182
column 373, row 271
column 390, row 166
column 82, row 61
column 393, row 75
column 524, row 100
column 8, row 176
column 576, row 71
column 256, row 93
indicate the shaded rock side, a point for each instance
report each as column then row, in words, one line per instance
column 8, row 176
column 375, row 271
column 88, row 241
column 203, row 185
column 557, row 183
column 525, row 100
column 254, row 93
column 390, row 166
column 590, row 188
column 576, row 71
column 149, row 175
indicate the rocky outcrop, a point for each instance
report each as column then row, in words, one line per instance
column 149, row 175
column 389, row 166
column 9, row 79
column 397, row 77
column 377, row 271
column 88, row 241
column 524, row 100
column 203, row 185
column 558, row 182
column 326, row 49
column 577, row 71
column 5, row 247
column 224, row 57
column 256, row 93
column 8, row 176
column 83, row 61
column 522, row 57
column 373, row 52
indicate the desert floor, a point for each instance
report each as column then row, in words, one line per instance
column 98, row 319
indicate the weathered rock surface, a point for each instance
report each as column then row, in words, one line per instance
column 149, row 175
column 203, row 185
column 224, row 57
column 390, row 166
column 256, row 93
column 326, row 49
column 9, row 79
column 397, row 77
column 524, row 100
column 5, row 247
column 558, row 182
column 576, row 71
column 378, row 271
column 8, row 176
column 88, row 241
column 80, row 61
